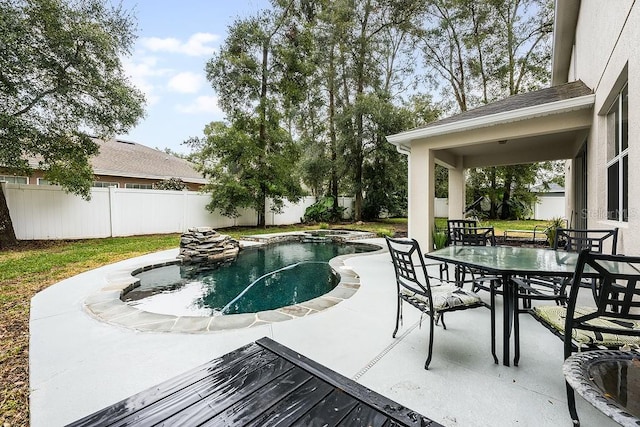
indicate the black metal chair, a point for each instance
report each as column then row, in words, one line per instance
column 595, row 324
column 414, row 287
column 571, row 240
column 467, row 235
column 577, row 240
column 534, row 288
column 458, row 223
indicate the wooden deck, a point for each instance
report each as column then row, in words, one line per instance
column 261, row 384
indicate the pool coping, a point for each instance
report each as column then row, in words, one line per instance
column 106, row 305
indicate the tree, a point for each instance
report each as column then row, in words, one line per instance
column 227, row 156
column 259, row 77
column 375, row 25
column 485, row 51
column 61, row 80
column 175, row 184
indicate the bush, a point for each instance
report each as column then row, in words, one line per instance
column 554, row 223
column 175, row 184
column 322, row 211
column 439, row 239
column 385, row 232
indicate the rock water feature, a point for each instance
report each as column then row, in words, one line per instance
column 203, row 248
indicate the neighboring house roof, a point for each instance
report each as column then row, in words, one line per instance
column 129, row 159
column 554, row 100
column 121, row 158
column 553, row 188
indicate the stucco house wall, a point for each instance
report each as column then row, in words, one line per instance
column 605, row 56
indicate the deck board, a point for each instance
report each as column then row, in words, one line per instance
column 261, row 384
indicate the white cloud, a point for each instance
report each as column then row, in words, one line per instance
column 197, row 45
column 202, row 104
column 186, row 82
column 141, row 70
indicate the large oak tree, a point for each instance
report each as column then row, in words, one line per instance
column 61, row 82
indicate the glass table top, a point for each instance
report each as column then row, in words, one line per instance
column 506, row 259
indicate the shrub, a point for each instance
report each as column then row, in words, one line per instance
column 439, row 239
column 551, row 229
column 322, row 211
column 385, row 232
column 175, row 184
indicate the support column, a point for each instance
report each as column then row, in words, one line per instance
column 457, row 186
column 421, row 196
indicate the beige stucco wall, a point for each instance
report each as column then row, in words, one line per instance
column 606, row 53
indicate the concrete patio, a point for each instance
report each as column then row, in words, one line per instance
column 79, row 364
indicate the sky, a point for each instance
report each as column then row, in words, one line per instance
column 175, row 41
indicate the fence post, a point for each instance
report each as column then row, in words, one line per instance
column 112, row 211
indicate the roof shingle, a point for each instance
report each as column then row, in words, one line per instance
column 515, row 102
column 128, row 159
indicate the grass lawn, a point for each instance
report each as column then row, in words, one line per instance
column 33, row 266
column 501, row 225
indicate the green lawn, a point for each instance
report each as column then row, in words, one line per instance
column 501, row 225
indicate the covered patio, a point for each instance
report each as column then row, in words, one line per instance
column 544, row 125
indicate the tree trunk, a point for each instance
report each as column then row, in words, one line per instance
column 359, row 119
column 332, row 134
column 493, row 209
column 7, row 235
column 262, row 207
column 506, row 195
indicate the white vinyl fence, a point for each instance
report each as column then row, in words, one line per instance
column 47, row 212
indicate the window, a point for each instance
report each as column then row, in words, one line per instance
column 618, row 158
column 42, row 181
column 14, row 179
column 139, row 186
column 104, row 184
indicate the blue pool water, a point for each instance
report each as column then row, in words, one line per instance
column 262, row 278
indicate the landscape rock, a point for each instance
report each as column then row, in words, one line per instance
column 203, row 248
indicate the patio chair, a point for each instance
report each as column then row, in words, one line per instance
column 467, row 235
column 414, row 287
column 570, row 240
column 594, row 323
column 458, row 223
column 576, row 240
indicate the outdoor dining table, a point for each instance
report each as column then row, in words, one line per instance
column 507, row 262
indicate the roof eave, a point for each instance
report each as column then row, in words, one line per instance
column 400, row 140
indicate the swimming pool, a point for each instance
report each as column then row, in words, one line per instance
column 262, row 278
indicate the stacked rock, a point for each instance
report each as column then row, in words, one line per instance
column 203, row 245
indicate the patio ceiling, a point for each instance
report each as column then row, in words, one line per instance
column 549, row 124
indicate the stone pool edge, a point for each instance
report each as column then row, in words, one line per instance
column 105, row 305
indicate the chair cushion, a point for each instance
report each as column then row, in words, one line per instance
column 446, row 297
column 555, row 317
